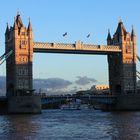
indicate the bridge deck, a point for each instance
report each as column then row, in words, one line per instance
column 102, row 99
column 78, row 48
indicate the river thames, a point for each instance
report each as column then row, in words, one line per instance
column 71, row 125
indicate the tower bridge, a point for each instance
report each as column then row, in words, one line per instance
column 120, row 51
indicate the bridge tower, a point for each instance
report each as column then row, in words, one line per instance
column 19, row 66
column 19, row 69
column 122, row 66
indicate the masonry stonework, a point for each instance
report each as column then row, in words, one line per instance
column 122, row 66
column 19, row 65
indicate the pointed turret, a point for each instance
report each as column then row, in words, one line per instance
column 109, row 35
column 120, row 33
column 29, row 26
column 7, row 29
column 133, row 36
column 15, row 24
column 19, row 21
column 133, row 32
column 121, row 29
column 109, row 40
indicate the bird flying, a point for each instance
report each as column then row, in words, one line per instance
column 65, row 34
column 88, row 35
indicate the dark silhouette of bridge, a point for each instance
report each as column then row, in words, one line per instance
column 104, row 101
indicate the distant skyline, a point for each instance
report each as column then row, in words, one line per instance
column 51, row 19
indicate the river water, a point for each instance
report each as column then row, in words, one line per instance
column 71, row 125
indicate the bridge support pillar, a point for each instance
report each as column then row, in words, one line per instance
column 122, row 69
column 24, row 104
column 123, row 102
column 19, row 69
column 122, row 66
column 129, row 102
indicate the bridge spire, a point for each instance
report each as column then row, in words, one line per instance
column 109, row 37
column 133, row 32
column 7, row 29
column 29, row 26
column 15, row 24
column 121, row 29
column 18, row 13
column 19, row 21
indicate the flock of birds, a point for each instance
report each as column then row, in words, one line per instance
column 65, row 34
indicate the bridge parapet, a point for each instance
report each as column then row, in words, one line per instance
column 77, row 47
column 111, row 48
column 64, row 46
column 101, row 47
column 45, row 45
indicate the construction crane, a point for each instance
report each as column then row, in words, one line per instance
column 5, row 56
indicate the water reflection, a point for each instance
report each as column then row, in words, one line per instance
column 18, row 127
column 71, row 125
column 125, row 125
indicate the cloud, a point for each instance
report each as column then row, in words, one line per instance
column 56, row 86
column 57, row 83
column 51, row 83
column 85, row 80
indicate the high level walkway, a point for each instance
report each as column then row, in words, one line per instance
column 78, row 48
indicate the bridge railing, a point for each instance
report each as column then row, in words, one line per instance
column 78, row 46
column 101, row 47
column 44, row 45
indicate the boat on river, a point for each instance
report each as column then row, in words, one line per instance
column 71, row 106
column 74, row 105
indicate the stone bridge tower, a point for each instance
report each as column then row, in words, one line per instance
column 19, row 65
column 19, row 69
column 122, row 66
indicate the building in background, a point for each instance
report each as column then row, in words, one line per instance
column 94, row 90
column 99, row 87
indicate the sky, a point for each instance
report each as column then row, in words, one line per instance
column 52, row 18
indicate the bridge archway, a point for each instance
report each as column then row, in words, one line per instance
column 69, row 66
